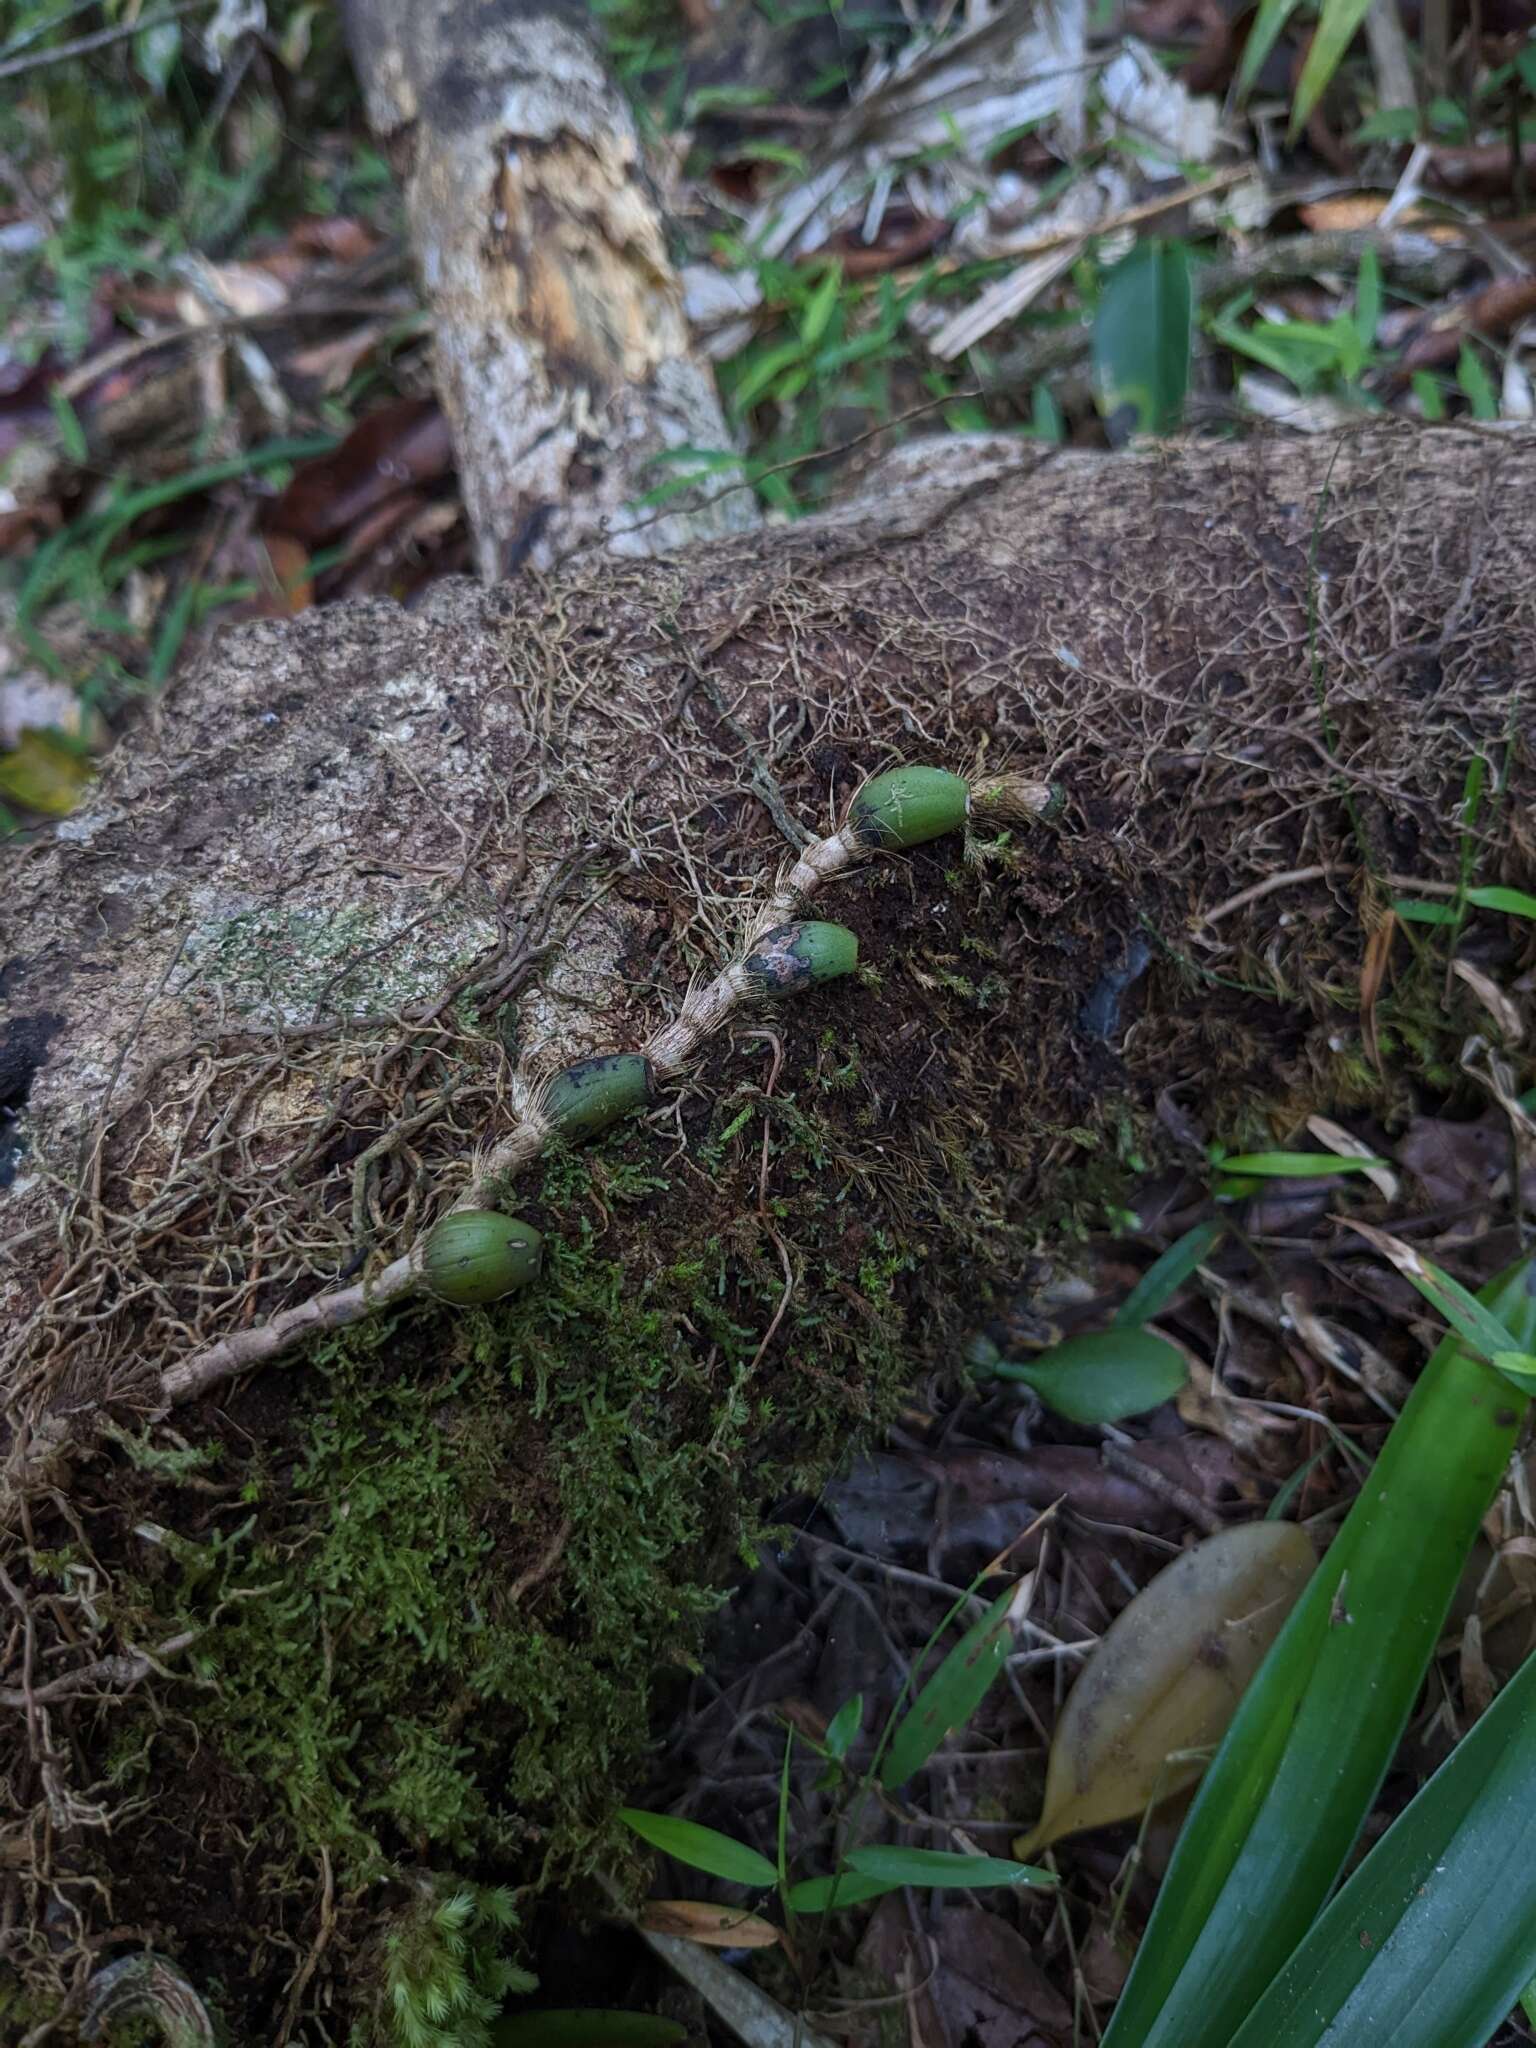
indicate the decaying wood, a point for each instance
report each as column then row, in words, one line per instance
column 548, row 802
column 563, row 356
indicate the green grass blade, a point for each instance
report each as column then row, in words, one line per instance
column 1337, row 26
column 1514, row 901
column 1294, row 1165
column 1431, row 1941
column 955, row 1690
column 1286, row 1794
column 1262, row 37
column 942, row 1867
column 1479, row 1331
column 1167, row 1274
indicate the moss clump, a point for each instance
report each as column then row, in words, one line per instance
column 445, row 1975
column 432, row 1630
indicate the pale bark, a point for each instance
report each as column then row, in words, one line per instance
column 563, row 357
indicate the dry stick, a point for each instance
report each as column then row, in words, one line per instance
column 999, row 799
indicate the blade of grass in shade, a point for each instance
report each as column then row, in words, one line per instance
column 942, row 1867
column 1285, row 1796
column 955, row 1690
column 1294, row 1165
column 1432, row 1939
column 1167, row 1274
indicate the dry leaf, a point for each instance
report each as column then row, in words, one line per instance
column 1505, row 1013
column 1204, row 1403
column 1166, row 1677
column 1373, row 974
column 714, row 1926
column 1331, row 1344
column 1348, row 1146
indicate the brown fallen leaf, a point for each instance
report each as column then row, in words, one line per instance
column 1495, row 309
column 1157, row 1693
column 1504, row 1011
column 1483, row 170
column 401, row 445
column 713, row 1926
column 1204, row 1403
column 967, row 1977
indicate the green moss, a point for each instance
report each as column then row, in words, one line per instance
column 435, row 1636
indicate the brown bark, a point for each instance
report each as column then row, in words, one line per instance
column 563, row 356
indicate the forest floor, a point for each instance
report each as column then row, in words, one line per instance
column 216, row 404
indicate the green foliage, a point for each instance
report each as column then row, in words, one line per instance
column 945, row 1703
column 1280, row 1807
column 1101, row 1376
column 445, row 1974
column 1141, row 340
column 1433, row 1938
column 371, row 1662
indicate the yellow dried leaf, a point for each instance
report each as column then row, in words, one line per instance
column 42, row 773
column 1166, row 1676
column 713, row 1926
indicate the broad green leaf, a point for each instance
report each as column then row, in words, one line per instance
column 1167, row 1274
column 956, row 1689
column 1281, row 1804
column 1482, row 1332
column 1337, row 23
column 1141, row 340
column 942, row 1867
column 1413, row 912
column 1426, row 389
column 843, row 1728
column 155, row 53
column 43, row 773
column 1515, row 901
column 1431, row 1941
column 586, row 2027
column 1518, row 1365
column 700, row 1848
column 1166, row 1677
column 1294, row 1165
column 1103, row 1376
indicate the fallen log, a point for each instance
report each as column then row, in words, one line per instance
column 563, row 356
column 301, row 972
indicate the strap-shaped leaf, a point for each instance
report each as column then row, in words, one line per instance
column 1287, row 1792
column 699, row 1847
column 1431, row 1941
column 956, row 1689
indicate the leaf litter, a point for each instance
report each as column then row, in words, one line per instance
column 1140, row 1629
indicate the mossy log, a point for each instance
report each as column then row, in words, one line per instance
column 332, row 921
